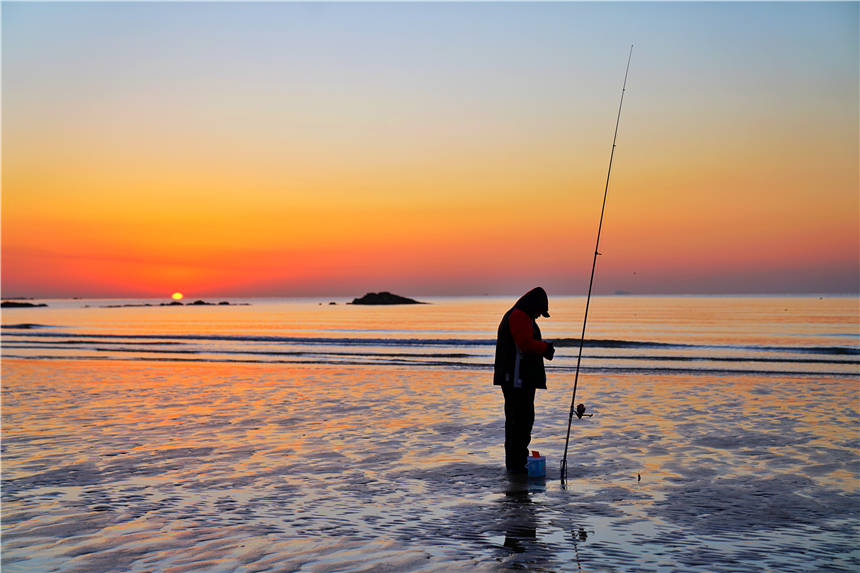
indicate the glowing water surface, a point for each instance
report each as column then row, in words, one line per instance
column 138, row 461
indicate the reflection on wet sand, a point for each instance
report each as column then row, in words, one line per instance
column 123, row 466
column 527, row 546
column 519, row 520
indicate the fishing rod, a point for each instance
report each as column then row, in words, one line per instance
column 580, row 409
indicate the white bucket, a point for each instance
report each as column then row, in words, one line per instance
column 536, row 465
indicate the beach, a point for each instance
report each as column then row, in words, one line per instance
column 256, row 256
column 297, row 436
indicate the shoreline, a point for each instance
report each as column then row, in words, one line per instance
column 303, row 465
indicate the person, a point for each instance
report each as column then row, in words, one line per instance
column 519, row 370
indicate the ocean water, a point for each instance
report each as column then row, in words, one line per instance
column 300, row 435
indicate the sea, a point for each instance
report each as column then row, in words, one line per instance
column 722, row 434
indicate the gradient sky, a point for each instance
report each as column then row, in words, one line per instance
column 428, row 149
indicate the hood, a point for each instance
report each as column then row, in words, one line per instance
column 534, row 302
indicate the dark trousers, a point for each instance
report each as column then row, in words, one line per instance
column 519, row 419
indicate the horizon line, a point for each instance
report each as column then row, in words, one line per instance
column 464, row 295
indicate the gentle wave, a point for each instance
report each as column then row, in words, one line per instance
column 38, row 342
column 412, row 342
column 461, row 365
column 57, row 345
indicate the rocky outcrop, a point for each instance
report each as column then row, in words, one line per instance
column 384, row 298
column 19, row 304
column 177, row 303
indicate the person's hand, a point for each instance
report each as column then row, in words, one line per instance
column 550, row 351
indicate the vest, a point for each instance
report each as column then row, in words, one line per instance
column 515, row 369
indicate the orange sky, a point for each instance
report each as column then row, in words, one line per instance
column 287, row 149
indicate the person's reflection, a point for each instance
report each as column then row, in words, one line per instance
column 519, row 518
column 519, row 521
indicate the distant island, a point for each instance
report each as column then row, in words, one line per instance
column 17, row 304
column 177, row 303
column 384, row 298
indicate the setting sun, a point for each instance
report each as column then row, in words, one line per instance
column 176, row 296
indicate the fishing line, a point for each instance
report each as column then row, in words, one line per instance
column 580, row 409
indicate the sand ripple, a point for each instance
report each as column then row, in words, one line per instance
column 202, row 467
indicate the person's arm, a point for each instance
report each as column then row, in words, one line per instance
column 521, row 329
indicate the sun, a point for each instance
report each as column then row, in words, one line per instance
column 177, row 296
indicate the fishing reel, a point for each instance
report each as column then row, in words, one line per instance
column 580, row 411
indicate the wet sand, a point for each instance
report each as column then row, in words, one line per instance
column 122, row 466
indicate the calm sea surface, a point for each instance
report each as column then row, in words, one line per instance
column 301, row 435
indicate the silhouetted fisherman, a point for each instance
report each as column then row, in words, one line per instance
column 519, row 370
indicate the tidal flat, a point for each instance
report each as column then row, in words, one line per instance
column 124, row 466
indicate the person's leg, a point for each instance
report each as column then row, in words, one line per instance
column 528, row 419
column 511, row 423
column 519, row 418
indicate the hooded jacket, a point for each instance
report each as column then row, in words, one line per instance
column 519, row 348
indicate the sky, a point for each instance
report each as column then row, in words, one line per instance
column 304, row 149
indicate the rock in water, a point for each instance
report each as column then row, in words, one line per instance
column 384, row 298
column 16, row 304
